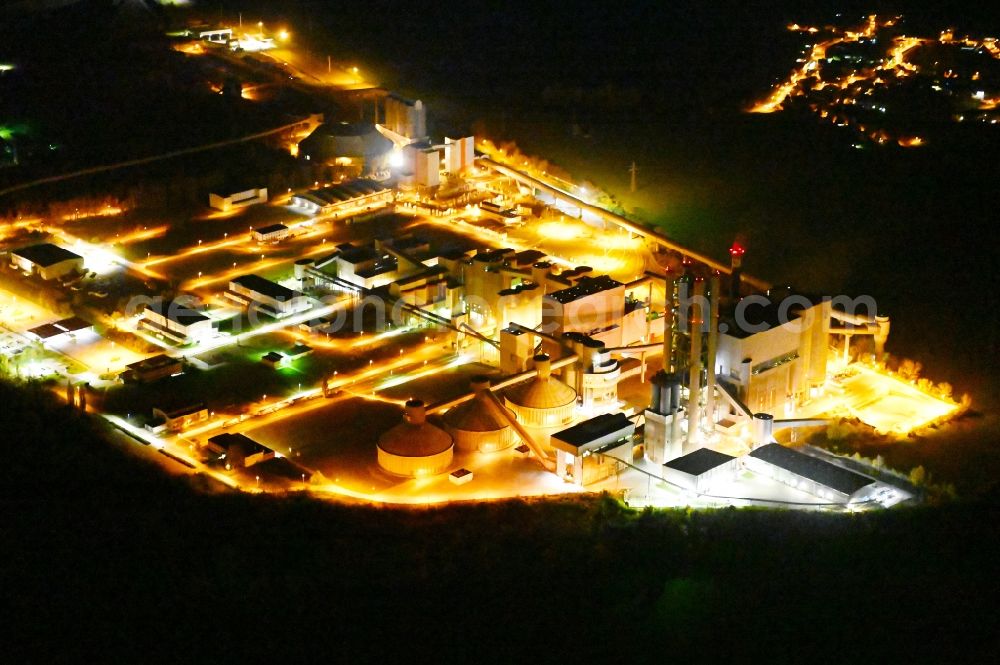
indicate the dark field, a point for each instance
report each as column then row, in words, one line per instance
column 125, row 559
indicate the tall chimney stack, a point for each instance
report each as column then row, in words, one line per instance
column 736, row 253
column 713, row 345
column 694, row 380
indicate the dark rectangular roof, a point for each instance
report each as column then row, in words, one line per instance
column 700, row 461
column 763, row 316
column 825, row 473
column 46, row 254
column 528, row 257
column 355, row 255
column 176, row 312
column 46, row 331
column 343, row 192
column 155, row 362
column 266, row 286
column 227, row 440
column 597, row 427
column 585, row 287
column 184, row 410
column 73, row 324
column 493, row 255
column 273, row 228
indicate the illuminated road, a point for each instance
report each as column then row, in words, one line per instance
column 612, row 218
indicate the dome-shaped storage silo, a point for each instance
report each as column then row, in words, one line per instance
column 542, row 401
column 475, row 425
column 415, row 447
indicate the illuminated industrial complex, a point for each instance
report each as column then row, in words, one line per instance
column 430, row 320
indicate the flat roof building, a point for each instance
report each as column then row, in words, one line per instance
column 176, row 321
column 239, row 451
column 594, row 449
column 46, row 260
column 233, row 198
column 594, row 306
column 50, row 331
column 271, row 233
column 255, row 292
column 179, row 419
column 153, row 369
column 700, row 468
column 344, row 199
column 778, row 356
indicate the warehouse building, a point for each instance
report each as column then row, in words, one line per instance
column 46, row 260
column 231, row 200
column 153, row 369
column 699, row 469
column 812, row 475
column 779, row 362
column 177, row 420
column 238, row 451
column 176, row 321
column 594, row 449
column 51, row 332
column 271, row 233
column 356, row 196
column 256, row 293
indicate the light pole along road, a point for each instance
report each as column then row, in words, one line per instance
column 616, row 219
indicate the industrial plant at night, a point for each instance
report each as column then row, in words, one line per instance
column 274, row 271
column 602, row 355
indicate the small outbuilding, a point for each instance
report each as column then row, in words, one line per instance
column 271, row 233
